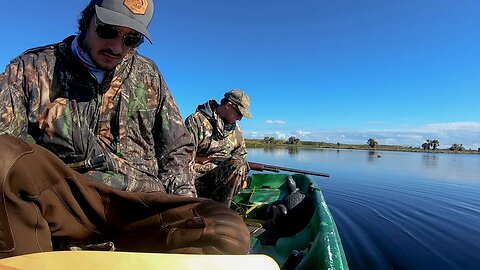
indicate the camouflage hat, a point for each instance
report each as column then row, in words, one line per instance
column 241, row 100
column 133, row 14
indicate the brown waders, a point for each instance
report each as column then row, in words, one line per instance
column 44, row 204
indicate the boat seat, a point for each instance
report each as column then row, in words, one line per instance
column 86, row 260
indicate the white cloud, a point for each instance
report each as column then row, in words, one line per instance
column 255, row 134
column 459, row 126
column 275, row 122
column 302, row 133
column 280, row 135
column 376, row 123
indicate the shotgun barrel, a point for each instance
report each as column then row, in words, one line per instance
column 271, row 168
column 262, row 167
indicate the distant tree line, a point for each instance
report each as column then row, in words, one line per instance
column 457, row 147
column 271, row 140
column 430, row 144
column 372, row 143
column 433, row 145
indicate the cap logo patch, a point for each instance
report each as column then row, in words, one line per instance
column 138, row 7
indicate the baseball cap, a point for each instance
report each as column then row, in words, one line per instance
column 133, row 14
column 241, row 100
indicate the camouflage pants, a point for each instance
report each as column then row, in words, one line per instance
column 224, row 181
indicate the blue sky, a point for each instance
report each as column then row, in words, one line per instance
column 400, row 71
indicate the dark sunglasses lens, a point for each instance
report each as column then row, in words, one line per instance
column 238, row 110
column 106, row 31
column 133, row 41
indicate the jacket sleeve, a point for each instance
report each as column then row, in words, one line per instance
column 241, row 150
column 195, row 130
column 174, row 148
column 13, row 112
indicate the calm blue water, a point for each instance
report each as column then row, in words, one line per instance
column 396, row 210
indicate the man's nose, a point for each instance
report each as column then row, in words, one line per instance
column 116, row 44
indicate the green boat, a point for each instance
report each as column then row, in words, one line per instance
column 289, row 221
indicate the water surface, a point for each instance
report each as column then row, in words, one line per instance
column 396, row 210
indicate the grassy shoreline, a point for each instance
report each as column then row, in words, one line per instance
column 257, row 143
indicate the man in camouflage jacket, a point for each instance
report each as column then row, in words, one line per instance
column 220, row 164
column 128, row 119
column 92, row 102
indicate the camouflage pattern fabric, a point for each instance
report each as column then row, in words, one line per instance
column 131, row 118
column 214, row 139
column 224, row 181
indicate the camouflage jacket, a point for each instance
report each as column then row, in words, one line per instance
column 213, row 138
column 131, row 118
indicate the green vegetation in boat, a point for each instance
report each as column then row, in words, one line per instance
column 289, row 221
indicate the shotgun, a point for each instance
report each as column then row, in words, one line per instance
column 261, row 167
column 272, row 168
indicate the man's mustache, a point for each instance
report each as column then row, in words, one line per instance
column 110, row 52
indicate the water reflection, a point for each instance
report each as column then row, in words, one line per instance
column 270, row 149
column 373, row 156
column 292, row 150
column 430, row 161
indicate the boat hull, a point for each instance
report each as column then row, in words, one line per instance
column 317, row 245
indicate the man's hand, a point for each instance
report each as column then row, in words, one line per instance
column 204, row 160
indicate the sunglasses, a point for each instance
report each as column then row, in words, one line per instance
column 107, row 31
column 236, row 109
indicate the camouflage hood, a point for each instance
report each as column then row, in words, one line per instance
column 220, row 129
column 207, row 108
